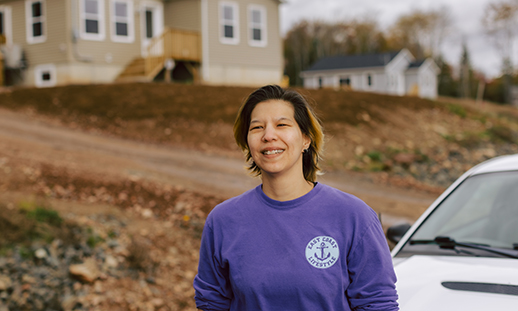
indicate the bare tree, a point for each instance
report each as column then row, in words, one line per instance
column 501, row 21
column 307, row 42
column 422, row 32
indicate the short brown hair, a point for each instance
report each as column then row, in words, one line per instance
column 305, row 117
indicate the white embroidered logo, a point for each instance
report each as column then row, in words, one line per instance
column 322, row 252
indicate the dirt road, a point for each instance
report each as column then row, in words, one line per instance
column 43, row 140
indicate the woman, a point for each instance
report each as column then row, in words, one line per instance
column 291, row 243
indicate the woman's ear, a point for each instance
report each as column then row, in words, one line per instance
column 307, row 142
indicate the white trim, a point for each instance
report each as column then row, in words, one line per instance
column 262, row 25
column 99, row 17
column 205, row 40
column 234, row 23
column 40, row 70
column 30, row 21
column 157, row 9
column 128, row 20
column 8, row 28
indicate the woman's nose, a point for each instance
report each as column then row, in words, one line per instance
column 269, row 133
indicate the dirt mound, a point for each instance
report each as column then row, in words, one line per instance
column 365, row 132
column 140, row 230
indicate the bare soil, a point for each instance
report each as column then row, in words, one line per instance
column 161, row 156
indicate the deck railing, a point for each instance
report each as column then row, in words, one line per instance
column 176, row 44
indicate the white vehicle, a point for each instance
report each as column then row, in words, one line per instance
column 462, row 253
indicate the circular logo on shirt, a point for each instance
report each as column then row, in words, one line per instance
column 322, row 252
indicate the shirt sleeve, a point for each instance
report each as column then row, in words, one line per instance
column 371, row 272
column 212, row 287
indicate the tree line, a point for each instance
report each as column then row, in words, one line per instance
column 422, row 33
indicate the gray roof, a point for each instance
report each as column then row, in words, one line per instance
column 353, row 61
column 416, row 64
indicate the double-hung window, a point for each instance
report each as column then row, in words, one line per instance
column 91, row 14
column 256, row 25
column 229, row 22
column 121, row 20
column 35, row 21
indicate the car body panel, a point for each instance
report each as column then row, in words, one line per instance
column 420, row 277
column 425, row 292
column 498, row 164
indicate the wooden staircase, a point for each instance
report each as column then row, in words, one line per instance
column 175, row 44
column 134, row 71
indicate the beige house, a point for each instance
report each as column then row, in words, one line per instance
column 58, row 42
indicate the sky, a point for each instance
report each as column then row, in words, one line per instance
column 466, row 15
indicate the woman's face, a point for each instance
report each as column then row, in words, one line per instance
column 275, row 140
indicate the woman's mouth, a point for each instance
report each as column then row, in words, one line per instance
column 270, row 152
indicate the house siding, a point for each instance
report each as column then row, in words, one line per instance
column 183, row 14
column 107, row 52
column 54, row 48
column 242, row 64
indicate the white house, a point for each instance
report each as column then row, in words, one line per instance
column 396, row 73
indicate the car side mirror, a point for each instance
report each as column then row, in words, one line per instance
column 395, row 233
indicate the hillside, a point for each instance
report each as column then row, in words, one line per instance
column 104, row 189
column 402, row 140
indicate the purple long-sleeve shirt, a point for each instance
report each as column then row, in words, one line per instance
column 323, row 251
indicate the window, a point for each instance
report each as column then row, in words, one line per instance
column 345, row 81
column 45, row 75
column 2, row 23
column 149, row 23
column 35, row 21
column 368, row 80
column 229, row 23
column 257, row 25
column 121, row 17
column 91, row 14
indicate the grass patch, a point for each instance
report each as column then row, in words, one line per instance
column 32, row 221
column 375, row 156
column 502, row 134
column 45, row 215
column 458, row 110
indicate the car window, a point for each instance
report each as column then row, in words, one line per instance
column 483, row 209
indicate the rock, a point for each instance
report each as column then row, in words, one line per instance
column 28, row 279
column 404, row 158
column 147, row 213
column 40, row 253
column 85, row 272
column 157, row 302
column 111, row 262
column 5, row 282
column 98, row 287
column 68, row 302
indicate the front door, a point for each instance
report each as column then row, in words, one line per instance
column 152, row 25
column 5, row 25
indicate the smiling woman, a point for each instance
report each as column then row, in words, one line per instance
column 291, row 243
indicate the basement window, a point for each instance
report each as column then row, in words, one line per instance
column 91, row 15
column 35, row 21
column 229, row 23
column 122, row 21
column 45, row 75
